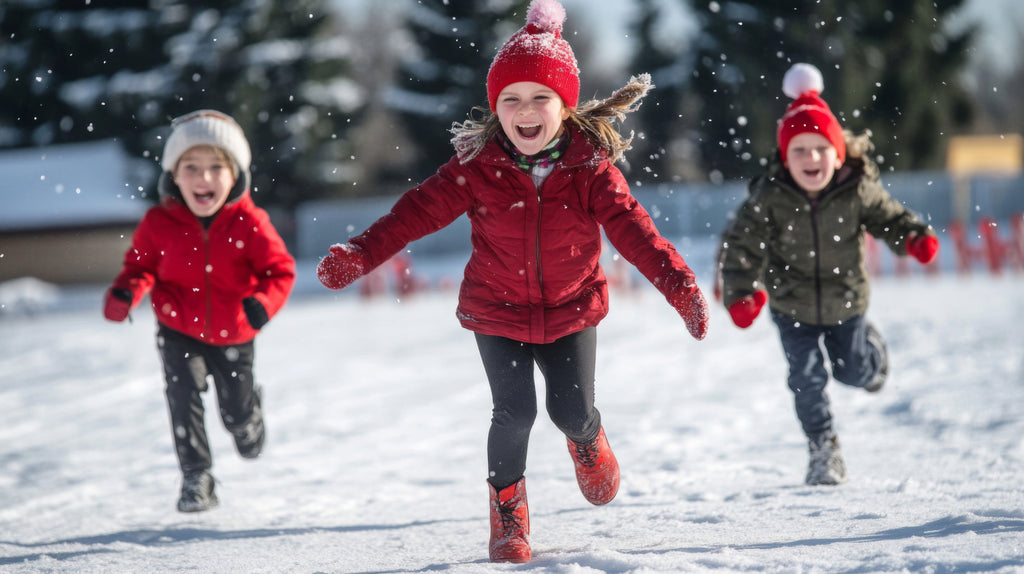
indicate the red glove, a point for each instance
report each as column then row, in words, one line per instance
column 689, row 302
column 923, row 247
column 117, row 304
column 343, row 265
column 745, row 309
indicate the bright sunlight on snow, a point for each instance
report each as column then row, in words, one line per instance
column 377, row 415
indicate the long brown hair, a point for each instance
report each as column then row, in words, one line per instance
column 594, row 118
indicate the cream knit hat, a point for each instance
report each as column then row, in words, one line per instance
column 206, row 127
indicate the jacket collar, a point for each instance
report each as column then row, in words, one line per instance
column 580, row 153
column 849, row 175
column 177, row 208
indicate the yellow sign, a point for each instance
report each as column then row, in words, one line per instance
column 997, row 154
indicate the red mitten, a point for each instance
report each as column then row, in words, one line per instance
column 117, row 304
column 923, row 247
column 689, row 302
column 343, row 265
column 745, row 309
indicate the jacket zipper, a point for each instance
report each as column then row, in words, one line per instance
column 817, row 258
column 536, row 255
column 208, row 326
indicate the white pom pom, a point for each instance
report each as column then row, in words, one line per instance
column 547, row 15
column 802, row 79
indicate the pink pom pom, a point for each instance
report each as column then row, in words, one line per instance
column 546, row 15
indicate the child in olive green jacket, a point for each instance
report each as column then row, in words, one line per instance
column 797, row 243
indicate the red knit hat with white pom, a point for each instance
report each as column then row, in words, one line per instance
column 808, row 112
column 537, row 53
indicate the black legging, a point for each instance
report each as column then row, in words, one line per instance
column 568, row 368
column 187, row 362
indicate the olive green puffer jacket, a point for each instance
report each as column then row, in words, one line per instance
column 809, row 254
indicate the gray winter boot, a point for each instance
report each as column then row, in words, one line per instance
column 826, row 465
column 197, row 492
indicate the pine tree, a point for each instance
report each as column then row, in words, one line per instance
column 655, row 156
column 289, row 88
column 79, row 71
column 447, row 79
column 1003, row 91
column 890, row 66
column 70, row 68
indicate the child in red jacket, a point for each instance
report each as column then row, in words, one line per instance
column 537, row 181
column 216, row 271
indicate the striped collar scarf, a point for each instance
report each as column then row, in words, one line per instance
column 544, row 158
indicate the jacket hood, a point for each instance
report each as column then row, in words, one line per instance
column 167, row 188
column 854, row 168
column 173, row 201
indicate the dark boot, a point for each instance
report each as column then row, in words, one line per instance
column 197, row 492
column 876, row 340
column 597, row 470
column 826, row 465
column 510, row 523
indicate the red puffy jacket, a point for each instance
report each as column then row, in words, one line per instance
column 533, row 275
column 198, row 277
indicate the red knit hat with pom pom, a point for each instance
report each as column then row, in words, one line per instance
column 537, row 53
column 808, row 112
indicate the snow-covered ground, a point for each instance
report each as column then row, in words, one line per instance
column 377, row 413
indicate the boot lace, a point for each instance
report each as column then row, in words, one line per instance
column 587, row 454
column 510, row 522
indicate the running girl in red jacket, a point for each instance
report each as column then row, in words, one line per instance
column 536, row 178
column 216, row 271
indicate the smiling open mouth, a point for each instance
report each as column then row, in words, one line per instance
column 529, row 131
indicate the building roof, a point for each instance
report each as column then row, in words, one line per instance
column 70, row 185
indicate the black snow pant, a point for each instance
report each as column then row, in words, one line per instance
column 568, row 367
column 189, row 365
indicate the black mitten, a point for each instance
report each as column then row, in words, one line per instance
column 255, row 312
column 121, row 294
column 117, row 304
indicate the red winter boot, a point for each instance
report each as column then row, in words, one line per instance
column 510, row 523
column 597, row 471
